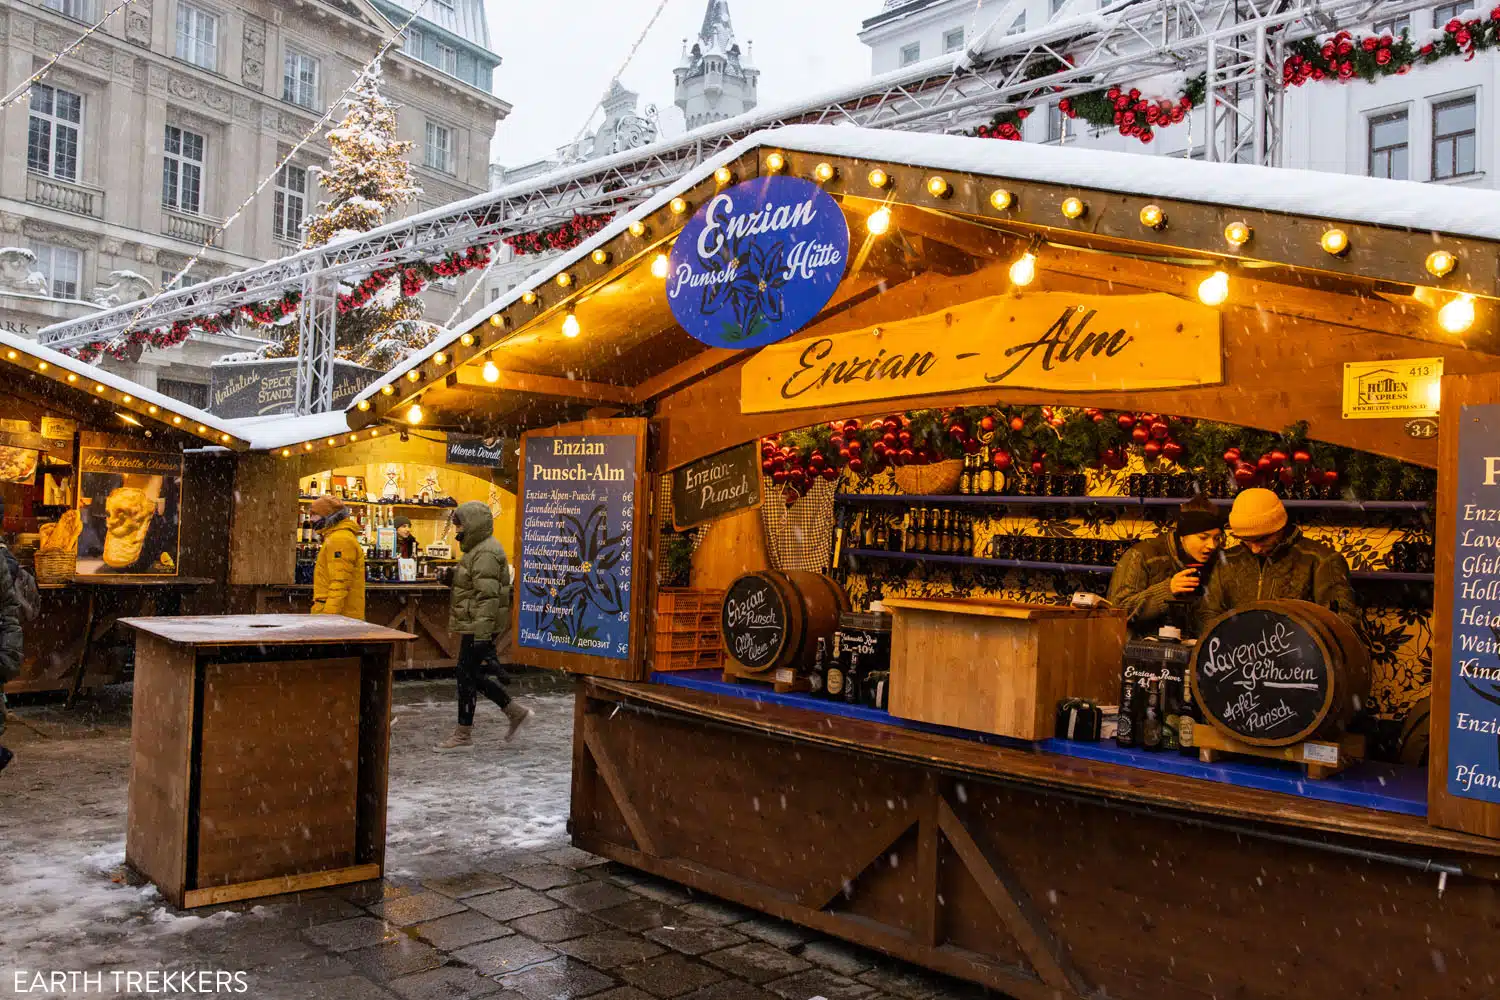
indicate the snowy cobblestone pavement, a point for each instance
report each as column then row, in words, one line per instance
column 483, row 897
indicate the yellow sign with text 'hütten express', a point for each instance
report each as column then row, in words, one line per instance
column 1406, row 388
column 1043, row 340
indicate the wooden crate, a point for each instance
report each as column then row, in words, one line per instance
column 1000, row 667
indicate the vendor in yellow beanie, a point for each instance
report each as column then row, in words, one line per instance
column 1273, row 561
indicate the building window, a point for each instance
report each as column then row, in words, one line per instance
column 1449, row 12
column 412, row 43
column 1388, row 146
column 63, row 268
column 953, row 40
column 1057, row 6
column 1396, row 27
column 182, row 170
column 1453, row 138
column 445, row 58
column 299, row 79
column 191, row 393
column 1057, row 124
column 78, row 10
column 440, row 147
column 911, row 53
column 289, row 204
column 197, row 36
column 52, row 136
column 1018, row 26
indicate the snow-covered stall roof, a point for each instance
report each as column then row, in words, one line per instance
column 289, row 430
column 145, row 407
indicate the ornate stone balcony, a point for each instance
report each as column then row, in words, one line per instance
column 66, row 196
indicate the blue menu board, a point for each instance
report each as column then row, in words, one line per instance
column 577, row 535
column 1474, row 707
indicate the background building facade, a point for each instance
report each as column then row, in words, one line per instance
column 136, row 146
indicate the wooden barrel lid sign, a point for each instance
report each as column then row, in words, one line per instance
column 755, row 622
column 1278, row 672
column 773, row 618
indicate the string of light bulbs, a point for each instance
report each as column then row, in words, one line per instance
column 23, row 90
column 307, row 137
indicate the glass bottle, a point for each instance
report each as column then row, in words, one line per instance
column 986, row 473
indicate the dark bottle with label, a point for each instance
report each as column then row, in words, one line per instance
column 1187, row 719
column 940, row 530
column 852, row 680
column 1171, row 708
column 919, row 530
column 1127, row 729
column 815, row 679
column 882, row 536
column 1151, row 720
column 833, row 677
column 986, row 482
column 868, row 541
column 896, row 534
column 966, row 478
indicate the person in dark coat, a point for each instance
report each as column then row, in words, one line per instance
column 406, row 542
column 11, row 642
column 1161, row 580
column 480, row 613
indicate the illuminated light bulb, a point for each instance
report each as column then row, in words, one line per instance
column 307, row 446
column 637, row 228
column 223, row 437
column 1073, row 208
column 202, row 429
column 98, row 388
column 600, row 256
column 42, row 366
column 564, row 279
column 440, row 357
column 938, row 186
column 1440, row 263
column 879, row 221
column 1152, row 217
column 332, row 441
column 1023, row 270
column 490, row 372
column 1334, row 241
column 1237, row 234
column 151, row 408
column 373, row 432
column 723, row 175
column 414, row 414
column 467, row 340
column 1214, row 289
column 72, row 377
column 127, row 399
column 364, row 404
column 678, row 205
column 353, row 437
column 528, row 296
column 497, row 321
column 176, row 420
column 1001, row 199
column 286, row 453
column 776, row 163
column 660, row 265
column 10, row 355
column 570, row 326
column 386, row 390
column 1458, row 315
column 824, row 172
column 878, row 178
column 413, row 375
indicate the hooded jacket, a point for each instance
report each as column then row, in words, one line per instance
column 1297, row 568
column 10, row 630
column 339, row 576
column 1142, row 582
column 481, row 584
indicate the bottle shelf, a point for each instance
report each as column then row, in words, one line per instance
column 990, row 500
column 401, row 505
column 985, row 562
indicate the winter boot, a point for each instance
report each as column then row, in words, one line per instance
column 517, row 713
column 462, row 739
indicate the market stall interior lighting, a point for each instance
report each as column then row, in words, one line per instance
column 776, row 163
column 1001, row 199
column 570, row 325
column 414, row 414
column 1440, row 263
column 1074, row 208
column 1214, row 289
column 600, row 256
column 878, row 178
column 1334, row 241
column 938, row 186
column 1023, row 269
column 563, row 279
column 467, row 340
column 879, row 222
column 1237, row 234
column 824, row 172
column 497, row 321
column 1457, row 315
column 490, row 373
column 528, row 296
column 723, row 176
column 660, row 265
column 413, row 375
column 679, row 206
column 638, row 228
column 1152, row 217
column 440, row 357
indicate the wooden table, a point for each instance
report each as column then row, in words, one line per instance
column 998, row 666
column 419, row 607
column 258, row 754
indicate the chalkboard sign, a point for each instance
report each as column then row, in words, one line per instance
column 715, row 486
column 755, row 622
column 577, row 539
column 489, row 453
column 1262, row 676
column 265, row 388
column 1474, row 689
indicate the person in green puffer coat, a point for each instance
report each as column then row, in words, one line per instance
column 1274, row 560
column 479, row 612
column 1160, row 581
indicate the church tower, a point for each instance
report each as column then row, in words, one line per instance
column 714, row 80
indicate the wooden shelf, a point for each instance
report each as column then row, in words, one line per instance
column 397, row 506
column 960, row 500
column 980, row 561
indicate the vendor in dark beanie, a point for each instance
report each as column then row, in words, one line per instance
column 1159, row 580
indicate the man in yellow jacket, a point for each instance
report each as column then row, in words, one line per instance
column 339, row 576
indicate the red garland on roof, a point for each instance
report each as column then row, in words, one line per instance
column 563, row 237
column 1345, row 57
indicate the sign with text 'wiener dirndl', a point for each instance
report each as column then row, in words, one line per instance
column 1037, row 340
column 577, row 538
column 757, row 262
column 1474, row 703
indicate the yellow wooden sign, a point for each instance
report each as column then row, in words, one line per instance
column 1039, row 340
column 1407, row 388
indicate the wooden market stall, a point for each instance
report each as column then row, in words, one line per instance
column 116, row 497
column 420, row 477
column 901, row 275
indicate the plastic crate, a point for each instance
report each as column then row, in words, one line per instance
column 684, row 600
column 686, row 659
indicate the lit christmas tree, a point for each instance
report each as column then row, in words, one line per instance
column 367, row 178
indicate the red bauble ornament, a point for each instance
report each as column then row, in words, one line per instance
column 1114, row 458
column 1171, row 450
column 830, row 473
column 1244, row 474
column 779, row 476
column 1286, row 475
column 1126, row 421
column 905, row 438
column 1330, row 478
column 1278, row 458
column 891, row 425
column 971, row 446
column 798, row 479
column 1264, row 463
column 767, row 467
column 856, row 446
column 1017, row 424
column 816, row 462
column 1151, row 449
column 889, row 439
column 986, row 423
column 957, row 432
column 1001, row 460
column 1301, row 457
column 1231, row 456
column 905, row 455
column 837, row 441
column 856, row 465
column 1036, row 468
column 850, row 426
column 1160, row 430
column 1140, row 435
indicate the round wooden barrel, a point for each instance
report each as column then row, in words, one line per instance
column 1278, row 672
column 773, row 619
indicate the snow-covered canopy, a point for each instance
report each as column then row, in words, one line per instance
column 291, row 430
column 145, row 407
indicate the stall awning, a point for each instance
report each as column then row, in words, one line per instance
column 593, row 330
column 49, row 376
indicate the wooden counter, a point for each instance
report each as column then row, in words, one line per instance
column 258, row 754
column 419, row 607
column 997, row 666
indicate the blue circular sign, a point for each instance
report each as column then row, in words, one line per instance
column 757, row 262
